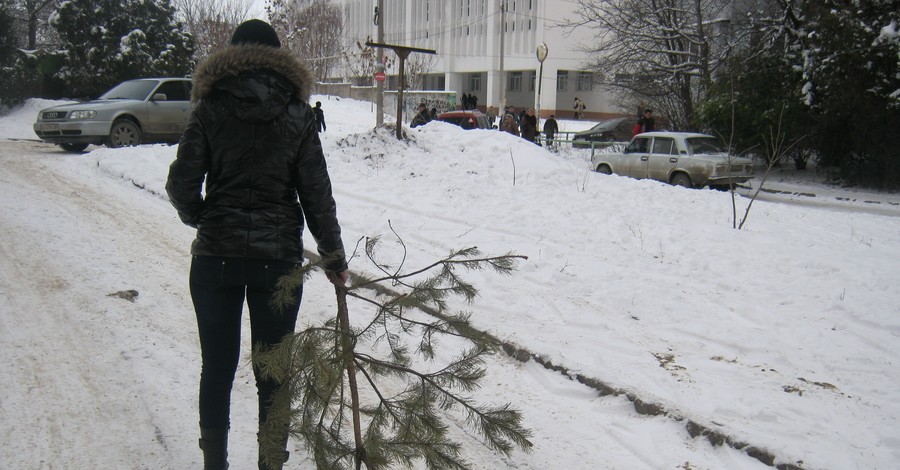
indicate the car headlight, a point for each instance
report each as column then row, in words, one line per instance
column 82, row 114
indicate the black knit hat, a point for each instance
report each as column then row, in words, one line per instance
column 255, row 32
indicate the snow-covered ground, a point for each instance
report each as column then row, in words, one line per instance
column 782, row 336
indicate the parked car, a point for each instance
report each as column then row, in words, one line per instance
column 680, row 158
column 610, row 130
column 468, row 119
column 133, row 112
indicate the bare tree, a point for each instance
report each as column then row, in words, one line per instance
column 311, row 28
column 663, row 52
column 31, row 22
column 359, row 60
column 211, row 22
column 417, row 66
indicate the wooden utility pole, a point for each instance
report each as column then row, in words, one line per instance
column 379, row 66
column 402, row 52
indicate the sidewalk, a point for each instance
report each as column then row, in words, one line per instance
column 809, row 187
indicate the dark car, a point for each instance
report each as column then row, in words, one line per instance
column 133, row 112
column 469, row 119
column 610, row 130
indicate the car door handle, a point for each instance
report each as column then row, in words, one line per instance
column 645, row 158
column 673, row 160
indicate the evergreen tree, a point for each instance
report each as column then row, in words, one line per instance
column 755, row 97
column 108, row 41
column 399, row 415
column 849, row 54
column 7, row 54
column 7, row 38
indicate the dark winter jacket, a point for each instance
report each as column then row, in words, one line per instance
column 252, row 137
column 529, row 128
column 424, row 117
column 320, row 119
column 551, row 127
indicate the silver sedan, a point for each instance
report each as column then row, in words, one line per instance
column 131, row 113
column 680, row 158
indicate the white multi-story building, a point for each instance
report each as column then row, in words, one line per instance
column 467, row 37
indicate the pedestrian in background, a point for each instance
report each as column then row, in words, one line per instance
column 252, row 139
column 579, row 108
column 320, row 116
column 422, row 118
column 551, row 127
column 646, row 121
column 509, row 125
column 529, row 126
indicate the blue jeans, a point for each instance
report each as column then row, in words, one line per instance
column 219, row 286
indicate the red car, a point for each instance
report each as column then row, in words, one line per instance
column 469, row 119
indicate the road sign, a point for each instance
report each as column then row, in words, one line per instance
column 379, row 76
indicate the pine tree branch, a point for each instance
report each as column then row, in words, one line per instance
column 495, row 425
column 494, row 261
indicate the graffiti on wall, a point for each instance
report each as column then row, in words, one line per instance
column 440, row 101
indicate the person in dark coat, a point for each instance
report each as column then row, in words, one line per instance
column 424, row 117
column 320, row 117
column 646, row 122
column 252, row 139
column 529, row 126
column 551, row 127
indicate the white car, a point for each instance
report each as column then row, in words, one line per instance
column 133, row 112
column 680, row 158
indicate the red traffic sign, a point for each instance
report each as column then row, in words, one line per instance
column 379, row 76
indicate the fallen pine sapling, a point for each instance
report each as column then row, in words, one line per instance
column 363, row 394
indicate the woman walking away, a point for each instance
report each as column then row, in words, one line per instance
column 253, row 139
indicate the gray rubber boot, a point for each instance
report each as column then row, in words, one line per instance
column 214, row 443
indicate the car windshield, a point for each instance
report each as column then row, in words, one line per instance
column 133, row 90
column 704, row 145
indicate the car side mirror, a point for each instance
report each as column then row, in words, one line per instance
column 160, row 97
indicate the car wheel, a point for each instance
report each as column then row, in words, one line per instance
column 124, row 133
column 605, row 169
column 73, row 147
column 683, row 180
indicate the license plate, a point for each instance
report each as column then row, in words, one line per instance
column 50, row 127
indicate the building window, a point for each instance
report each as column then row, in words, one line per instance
column 475, row 82
column 515, row 81
column 562, row 80
column 585, row 81
column 624, row 78
column 532, row 80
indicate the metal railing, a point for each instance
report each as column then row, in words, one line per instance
column 567, row 141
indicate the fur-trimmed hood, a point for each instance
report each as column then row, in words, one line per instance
column 236, row 59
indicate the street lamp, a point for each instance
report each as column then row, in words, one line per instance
column 541, row 52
